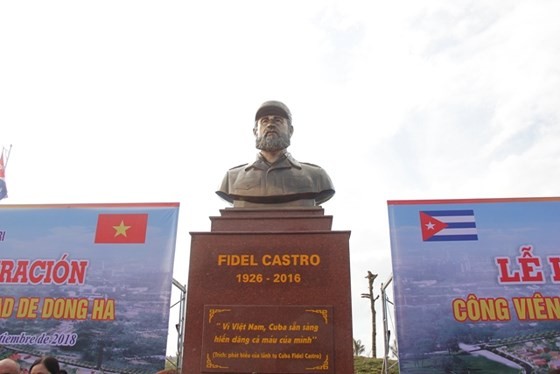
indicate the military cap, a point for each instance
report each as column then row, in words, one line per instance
column 273, row 107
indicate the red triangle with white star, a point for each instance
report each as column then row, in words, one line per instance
column 430, row 225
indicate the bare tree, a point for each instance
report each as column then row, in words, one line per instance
column 371, row 277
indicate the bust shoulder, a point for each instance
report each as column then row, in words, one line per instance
column 313, row 166
column 239, row 166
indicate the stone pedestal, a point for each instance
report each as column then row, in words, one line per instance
column 269, row 292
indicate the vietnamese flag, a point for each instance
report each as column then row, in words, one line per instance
column 121, row 228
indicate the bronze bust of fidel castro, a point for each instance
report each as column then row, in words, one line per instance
column 275, row 179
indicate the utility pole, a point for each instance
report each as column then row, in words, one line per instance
column 371, row 277
column 386, row 332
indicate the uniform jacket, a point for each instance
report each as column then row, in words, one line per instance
column 285, row 180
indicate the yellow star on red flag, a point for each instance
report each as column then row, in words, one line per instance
column 121, row 229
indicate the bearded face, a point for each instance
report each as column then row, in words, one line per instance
column 272, row 133
column 273, row 141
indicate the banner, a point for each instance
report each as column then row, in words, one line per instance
column 88, row 284
column 477, row 285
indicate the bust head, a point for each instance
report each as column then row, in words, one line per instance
column 273, row 127
column 275, row 178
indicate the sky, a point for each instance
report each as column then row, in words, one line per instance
column 152, row 101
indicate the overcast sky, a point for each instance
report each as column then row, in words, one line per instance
column 152, row 101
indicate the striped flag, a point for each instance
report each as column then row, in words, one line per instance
column 448, row 225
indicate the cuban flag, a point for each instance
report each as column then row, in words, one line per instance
column 448, row 225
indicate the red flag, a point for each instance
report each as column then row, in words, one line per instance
column 2, row 175
column 121, row 228
column 3, row 189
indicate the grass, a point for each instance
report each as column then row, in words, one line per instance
column 368, row 365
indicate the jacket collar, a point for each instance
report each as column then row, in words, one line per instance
column 286, row 161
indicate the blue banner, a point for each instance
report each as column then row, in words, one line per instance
column 476, row 285
column 89, row 284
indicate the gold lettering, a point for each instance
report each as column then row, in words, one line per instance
column 236, row 260
column 291, row 260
